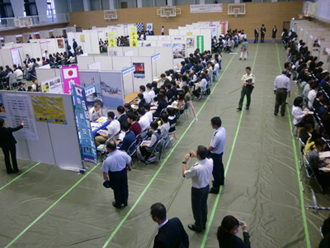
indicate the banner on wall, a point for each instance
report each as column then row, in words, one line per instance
column 190, row 42
column 70, row 75
column 223, row 27
column 82, row 38
column 53, row 85
column 150, row 27
column 200, row 43
column 49, row 109
column 60, row 43
column 19, row 109
column 133, row 36
column 112, row 89
column 86, row 139
column 112, row 42
column 205, row 8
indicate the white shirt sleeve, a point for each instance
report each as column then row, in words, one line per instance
column 190, row 173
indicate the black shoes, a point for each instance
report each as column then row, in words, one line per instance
column 214, row 191
column 240, row 58
column 247, row 108
column 193, row 228
column 119, row 207
column 239, row 109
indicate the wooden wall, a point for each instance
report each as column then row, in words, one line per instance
column 267, row 13
column 32, row 29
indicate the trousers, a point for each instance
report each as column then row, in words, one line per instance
column 280, row 101
column 244, row 53
column 199, row 206
column 118, row 182
column 218, row 170
column 99, row 140
column 245, row 91
column 262, row 37
column 12, row 151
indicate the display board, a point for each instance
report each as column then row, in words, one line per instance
column 70, row 75
column 53, row 85
column 112, row 89
column 19, row 108
column 88, row 78
column 87, row 144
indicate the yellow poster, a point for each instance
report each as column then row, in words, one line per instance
column 56, row 110
column 49, row 109
column 40, row 109
column 82, row 38
column 133, row 36
column 45, row 87
column 112, row 42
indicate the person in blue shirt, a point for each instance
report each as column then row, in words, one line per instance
column 129, row 137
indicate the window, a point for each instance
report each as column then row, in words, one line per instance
column 51, row 12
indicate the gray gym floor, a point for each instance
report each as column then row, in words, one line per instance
column 47, row 207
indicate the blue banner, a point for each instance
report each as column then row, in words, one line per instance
column 86, row 139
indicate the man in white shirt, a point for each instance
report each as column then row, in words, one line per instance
column 248, row 81
column 148, row 113
column 18, row 73
column 45, row 55
column 146, row 95
column 39, row 62
column 200, row 174
column 216, row 148
column 151, row 93
column 113, row 130
column 95, row 112
column 312, row 94
column 144, row 120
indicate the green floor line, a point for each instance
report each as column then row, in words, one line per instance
column 209, row 223
column 159, row 169
column 48, row 209
column 302, row 202
column 7, row 184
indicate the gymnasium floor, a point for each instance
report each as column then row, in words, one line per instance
column 46, row 207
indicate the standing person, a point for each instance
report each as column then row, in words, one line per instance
column 248, row 81
column 226, row 233
column 244, row 50
column 274, row 31
column 74, row 45
column 116, row 165
column 263, row 32
column 7, row 143
column 200, row 174
column 215, row 149
column 171, row 233
column 162, row 30
column 281, row 90
column 256, row 35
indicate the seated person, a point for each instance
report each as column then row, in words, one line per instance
column 326, row 121
column 122, row 116
column 95, row 112
column 151, row 92
column 134, row 125
column 201, row 86
column 143, row 119
column 171, row 119
column 169, row 92
column 162, row 104
column 142, row 100
column 148, row 113
column 128, row 109
column 113, row 130
column 165, row 127
column 315, row 162
column 297, row 112
column 187, row 96
column 145, row 94
column 325, row 229
column 128, row 139
column 306, row 132
column 154, row 137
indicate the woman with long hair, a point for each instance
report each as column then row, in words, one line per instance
column 227, row 233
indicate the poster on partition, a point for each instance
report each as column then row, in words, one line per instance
column 190, row 42
column 179, row 51
column 49, row 109
column 19, row 109
column 2, row 108
column 70, row 75
column 53, row 85
column 91, row 78
column 139, row 70
column 60, row 43
column 112, row 89
column 15, row 55
column 86, row 139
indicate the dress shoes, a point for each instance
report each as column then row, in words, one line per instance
column 193, row 228
column 239, row 109
column 116, row 206
column 214, row 191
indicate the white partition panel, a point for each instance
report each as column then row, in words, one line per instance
column 52, row 46
column 141, row 63
column 146, row 51
column 165, row 61
column 2, row 63
column 115, row 51
column 151, row 37
column 94, row 42
column 131, row 51
column 66, row 146
column 207, row 39
column 45, row 74
column 106, row 62
column 173, row 32
column 121, row 63
column 95, row 66
column 84, row 61
column 27, row 49
column 324, row 57
column 6, row 56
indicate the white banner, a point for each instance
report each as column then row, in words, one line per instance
column 205, row 8
column 155, row 57
column 128, row 70
column 150, row 27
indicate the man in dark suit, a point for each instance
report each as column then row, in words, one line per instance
column 256, row 35
column 122, row 116
column 171, row 233
column 169, row 92
column 129, row 137
column 263, row 32
column 7, row 143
